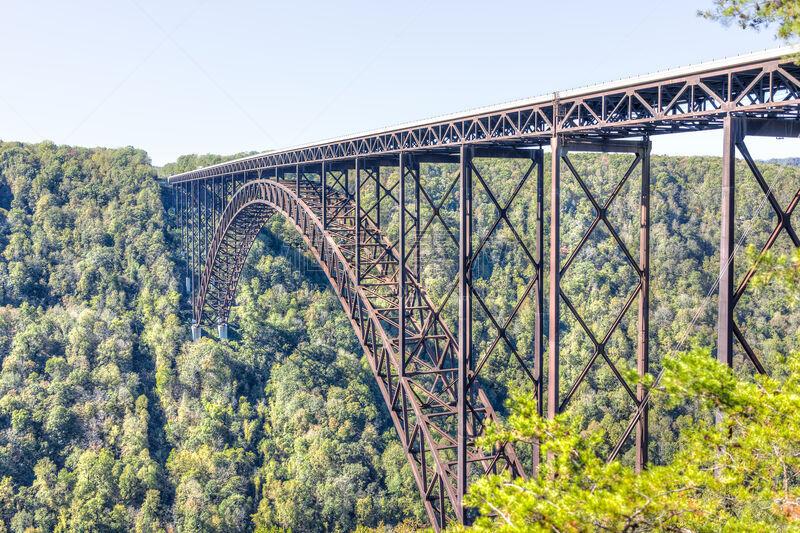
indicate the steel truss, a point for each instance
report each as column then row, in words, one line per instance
column 690, row 100
column 640, row 265
column 364, row 208
column 429, row 376
column 735, row 130
column 428, row 382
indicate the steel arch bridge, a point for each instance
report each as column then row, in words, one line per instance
column 363, row 209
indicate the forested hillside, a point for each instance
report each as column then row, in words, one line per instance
column 89, row 297
column 110, row 420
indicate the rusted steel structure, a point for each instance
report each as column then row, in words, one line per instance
column 428, row 371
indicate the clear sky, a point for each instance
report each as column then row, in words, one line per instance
column 175, row 77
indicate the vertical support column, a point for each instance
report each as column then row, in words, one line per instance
column 401, row 285
column 464, row 317
column 195, row 215
column 187, row 221
column 213, row 203
column 731, row 134
column 226, row 198
column 357, row 218
column 208, row 218
column 643, row 348
column 185, row 213
column 204, row 227
column 324, row 183
column 175, row 209
column 196, row 262
column 179, row 212
column 401, row 268
column 378, row 196
column 554, row 314
column 214, row 210
column 417, row 250
column 297, row 191
column 538, row 348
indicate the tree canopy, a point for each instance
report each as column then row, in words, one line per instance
column 110, row 419
column 759, row 14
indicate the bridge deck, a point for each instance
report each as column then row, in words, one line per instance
column 697, row 97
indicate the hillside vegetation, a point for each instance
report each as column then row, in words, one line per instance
column 110, row 420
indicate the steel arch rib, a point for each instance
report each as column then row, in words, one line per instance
column 420, row 395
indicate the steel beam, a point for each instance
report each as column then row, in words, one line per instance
column 643, row 341
column 732, row 134
column 198, row 230
column 415, row 171
column 621, row 146
column 554, row 314
column 769, row 127
column 297, row 190
column 324, row 193
column 378, row 196
column 428, row 442
column 401, row 267
column 464, row 319
column 538, row 347
column 357, row 215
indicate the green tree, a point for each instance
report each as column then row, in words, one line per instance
column 742, row 474
column 759, row 14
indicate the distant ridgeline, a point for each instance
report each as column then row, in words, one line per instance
column 795, row 161
column 111, row 420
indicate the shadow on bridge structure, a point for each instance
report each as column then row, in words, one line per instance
column 368, row 212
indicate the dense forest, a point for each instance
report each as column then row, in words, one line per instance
column 111, row 420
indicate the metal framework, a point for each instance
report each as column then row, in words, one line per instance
column 363, row 207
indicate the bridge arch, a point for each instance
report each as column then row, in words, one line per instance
column 420, row 389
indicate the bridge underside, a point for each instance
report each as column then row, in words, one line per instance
column 378, row 224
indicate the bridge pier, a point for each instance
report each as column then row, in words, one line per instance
column 197, row 332
column 561, row 146
column 222, row 329
column 735, row 130
column 465, row 255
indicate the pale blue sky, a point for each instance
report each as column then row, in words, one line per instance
column 175, row 77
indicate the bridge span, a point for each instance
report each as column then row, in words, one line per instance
column 363, row 210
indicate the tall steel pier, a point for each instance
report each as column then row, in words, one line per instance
column 364, row 209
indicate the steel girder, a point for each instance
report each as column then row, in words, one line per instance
column 680, row 101
column 735, row 131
